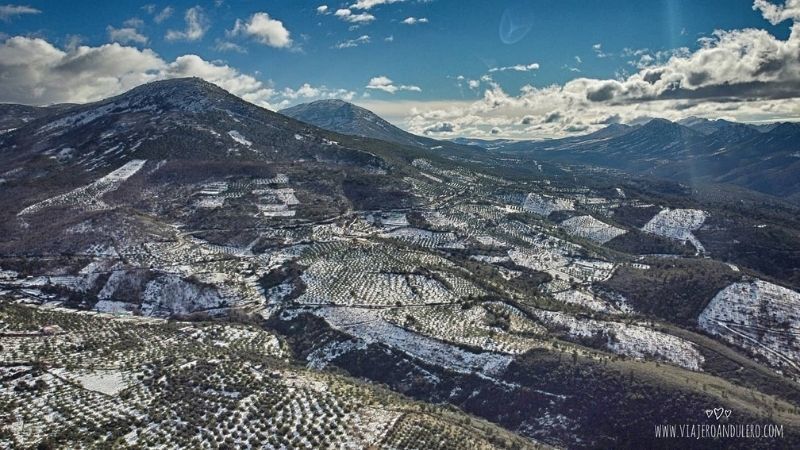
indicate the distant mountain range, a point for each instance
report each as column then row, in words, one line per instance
column 762, row 158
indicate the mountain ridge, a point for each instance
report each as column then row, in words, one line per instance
column 350, row 119
column 764, row 160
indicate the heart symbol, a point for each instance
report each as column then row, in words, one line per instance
column 727, row 413
column 718, row 412
column 709, row 412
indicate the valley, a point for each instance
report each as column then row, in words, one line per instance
column 176, row 257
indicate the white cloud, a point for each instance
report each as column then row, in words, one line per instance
column 745, row 75
column 516, row 68
column 348, row 16
column 264, row 30
column 322, row 9
column 125, row 35
column 778, row 13
column 134, row 22
column 36, row 72
column 307, row 92
column 165, row 14
column 368, row 4
column 7, row 12
column 647, row 58
column 414, row 20
column 440, row 127
column 196, row 26
column 227, row 46
column 245, row 86
column 350, row 43
column 598, row 50
column 383, row 83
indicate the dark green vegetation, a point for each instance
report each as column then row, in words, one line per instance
column 674, row 290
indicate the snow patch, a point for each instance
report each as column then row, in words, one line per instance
column 238, row 137
column 590, row 228
column 678, row 224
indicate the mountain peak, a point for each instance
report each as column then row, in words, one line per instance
column 786, row 128
column 176, row 89
column 659, row 122
column 332, row 102
column 344, row 117
column 329, row 108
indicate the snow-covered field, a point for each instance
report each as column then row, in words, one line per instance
column 759, row 316
column 89, row 196
column 109, row 382
column 677, row 224
column 424, row 238
column 590, row 228
column 366, row 324
column 544, row 205
column 478, row 327
column 239, row 138
column 632, row 340
column 215, row 379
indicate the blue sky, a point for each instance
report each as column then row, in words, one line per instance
column 452, row 54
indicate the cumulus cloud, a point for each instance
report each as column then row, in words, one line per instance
column 778, row 13
column 383, row 83
column 322, row 9
column 125, row 35
column 746, row 75
column 307, row 92
column 8, row 12
column 245, row 86
column 414, row 20
column 368, row 4
column 348, row 16
column 516, row 68
column 350, row 43
column 36, row 72
column 264, row 29
column 441, row 127
column 196, row 26
column 551, row 117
